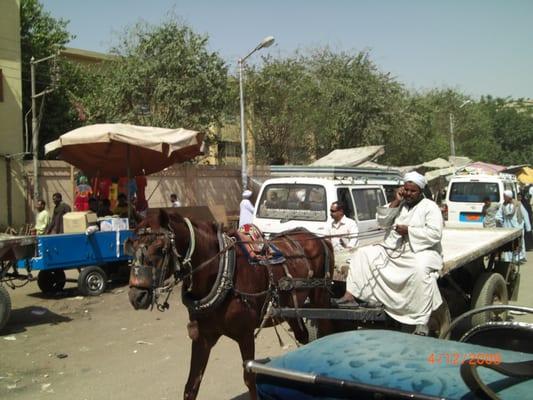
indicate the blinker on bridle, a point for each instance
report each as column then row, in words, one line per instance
column 148, row 275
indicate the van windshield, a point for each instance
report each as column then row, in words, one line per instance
column 474, row 192
column 290, row 201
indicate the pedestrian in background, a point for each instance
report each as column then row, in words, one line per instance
column 174, row 200
column 489, row 211
column 512, row 214
column 42, row 220
column 60, row 209
column 246, row 209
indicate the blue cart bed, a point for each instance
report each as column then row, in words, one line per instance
column 93, row 255
column 359, row 364
column 74, row 250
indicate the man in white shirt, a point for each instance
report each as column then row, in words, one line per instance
column 43, row 218
column 174, row 200
column 343, row 233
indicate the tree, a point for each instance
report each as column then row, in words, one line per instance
column 281, row 95
column 42, row 36
column 162, row 76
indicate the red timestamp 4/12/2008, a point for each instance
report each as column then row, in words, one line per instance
column 462, row 358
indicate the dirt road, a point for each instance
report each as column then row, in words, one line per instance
column 97, row 348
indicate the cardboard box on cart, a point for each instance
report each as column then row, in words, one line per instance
column 78, row 221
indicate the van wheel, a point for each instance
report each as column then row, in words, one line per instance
column 490, row 288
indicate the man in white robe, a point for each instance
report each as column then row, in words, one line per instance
column 246, row 209
column 512, row 214
column 401, row 273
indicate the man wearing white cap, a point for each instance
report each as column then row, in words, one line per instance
column 511, row 215
column 401, row 272
column 247, row 209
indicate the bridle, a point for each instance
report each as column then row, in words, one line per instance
column 171, row 257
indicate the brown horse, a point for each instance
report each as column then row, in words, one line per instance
column 226, row 294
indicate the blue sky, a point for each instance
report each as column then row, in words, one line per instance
column 478, row 47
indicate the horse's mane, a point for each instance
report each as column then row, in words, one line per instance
column 205, row 231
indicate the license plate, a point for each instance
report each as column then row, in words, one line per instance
column 470, row 217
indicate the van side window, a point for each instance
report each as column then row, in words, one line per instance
column 367, row 201
column 343, row 194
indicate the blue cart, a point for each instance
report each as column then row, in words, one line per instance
column 93, row 255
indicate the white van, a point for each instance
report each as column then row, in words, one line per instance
column 287, row 203
column 464, row 198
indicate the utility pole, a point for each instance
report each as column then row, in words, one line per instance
column 35, row 124
column 452, row 142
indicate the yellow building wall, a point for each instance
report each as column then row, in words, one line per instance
column 12, row 203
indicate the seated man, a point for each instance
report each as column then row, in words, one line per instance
column 343, row 234
column 400, row 273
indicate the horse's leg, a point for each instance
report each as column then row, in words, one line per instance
column 247, row 347
column 201, row 348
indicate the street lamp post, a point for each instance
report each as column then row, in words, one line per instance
column 452, row 121
column 266, row 42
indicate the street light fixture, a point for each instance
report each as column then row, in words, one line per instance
column 266, row 42
column 452, row 142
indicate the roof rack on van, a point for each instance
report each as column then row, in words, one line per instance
column 472, row 172
column 364, row 174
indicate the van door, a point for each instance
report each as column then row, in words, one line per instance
column 343, row 195
column 367, row 199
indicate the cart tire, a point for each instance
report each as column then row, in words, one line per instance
column 51, row 280
column 440, row 320
column 490, row 288
column 92, row 281
column 5, row 307
column 312, row 329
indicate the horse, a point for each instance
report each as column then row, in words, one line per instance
column 225, row 293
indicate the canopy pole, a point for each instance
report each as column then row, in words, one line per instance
column 128, row 182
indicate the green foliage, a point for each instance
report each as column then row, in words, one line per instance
column 162, row 76
column 298, row 108
column 42, row 36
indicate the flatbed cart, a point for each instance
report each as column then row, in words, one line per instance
column 12, row 248
column 94, row 255
column 472, row 276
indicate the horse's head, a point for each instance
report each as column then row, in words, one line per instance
column 157, row 265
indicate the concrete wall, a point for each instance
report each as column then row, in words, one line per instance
column 11, row 131
column 195, row 185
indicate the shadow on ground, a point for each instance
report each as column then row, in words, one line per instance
column 22, row 318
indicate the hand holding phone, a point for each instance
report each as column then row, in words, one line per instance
column 400, row 192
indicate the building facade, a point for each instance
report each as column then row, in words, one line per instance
column 12, row 210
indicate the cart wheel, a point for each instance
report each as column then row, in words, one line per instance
column 312, row 329
column 92, row 281
column 51, row 280
column 440, row 320
column 5, row 307
column 490, row 288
